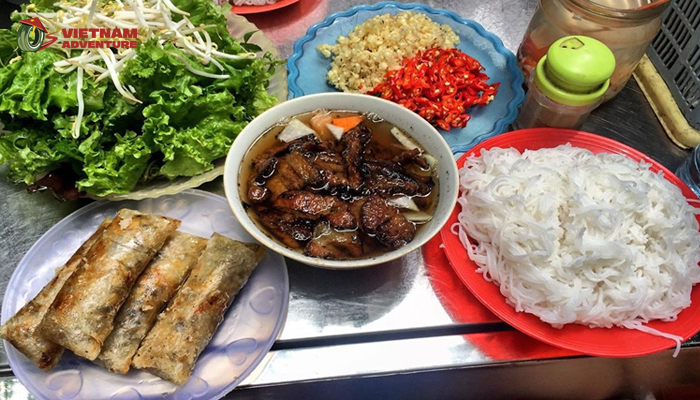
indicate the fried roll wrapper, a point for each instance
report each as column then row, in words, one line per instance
column 152, row 291
column 20, row 329
column 82, row 315
column 185, row 328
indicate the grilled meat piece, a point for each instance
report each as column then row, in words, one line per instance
column 284, row 179
column 264, row 168
column 396, row 232
column 411, row 156
column 289, row 228
column 308, row 144
column 355, row 208
column 423, row 203
column 330, row 162
column 329, row 197
column 342, row 220
column 333, row 245
column 257, row 192
column 279, row 148
column 315, row 205
column 386, row 178
column 355, row 141
column 306, row 170
column 271, row 174
column 331, row 165
column 375, row 212
column 386, row 223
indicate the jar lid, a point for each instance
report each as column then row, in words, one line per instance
column 576, row 70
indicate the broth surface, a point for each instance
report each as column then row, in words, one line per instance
column 305, row 194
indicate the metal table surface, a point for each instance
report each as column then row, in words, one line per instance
column 383, row 331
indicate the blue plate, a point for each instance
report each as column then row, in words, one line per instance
column 307, row 67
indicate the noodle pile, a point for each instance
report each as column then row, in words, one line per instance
column 574, row 237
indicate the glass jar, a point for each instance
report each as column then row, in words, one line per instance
column 626, row 31
column 538, row 110
column 568, row 83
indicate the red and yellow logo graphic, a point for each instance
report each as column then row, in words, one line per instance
column 31, row 35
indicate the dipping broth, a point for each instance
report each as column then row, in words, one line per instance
column 338, row 185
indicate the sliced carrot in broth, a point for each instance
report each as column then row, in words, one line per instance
column 347, row 123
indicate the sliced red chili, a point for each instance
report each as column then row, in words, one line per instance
column 440, row 85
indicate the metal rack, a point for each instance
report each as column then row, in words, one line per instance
column 675, row 53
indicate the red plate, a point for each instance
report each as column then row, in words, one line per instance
column 613, row 342
column 259, row 9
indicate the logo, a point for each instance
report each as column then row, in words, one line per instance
column 31, row 35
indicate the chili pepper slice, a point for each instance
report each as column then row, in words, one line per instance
column 440, row 85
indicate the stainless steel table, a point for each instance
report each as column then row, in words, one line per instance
column 383, row 332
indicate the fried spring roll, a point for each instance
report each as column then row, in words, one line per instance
column 82, row 315
column 152, row 291
column 20, row 329
column 185, row 328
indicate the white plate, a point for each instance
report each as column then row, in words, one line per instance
column 249, row 329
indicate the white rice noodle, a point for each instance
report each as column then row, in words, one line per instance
column 574, row 237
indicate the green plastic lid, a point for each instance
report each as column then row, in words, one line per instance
column 576, row 70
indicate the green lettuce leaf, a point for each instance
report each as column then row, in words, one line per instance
column 184, row 124
column 7, row 74
column 208, row 13
column 30, row 87
column 23, row 95
column 193, row 119
column 30, row 153
column 8, row 47
column 190, row 147
column 118, row 169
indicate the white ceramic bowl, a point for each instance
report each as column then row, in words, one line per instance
column 411, row 123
